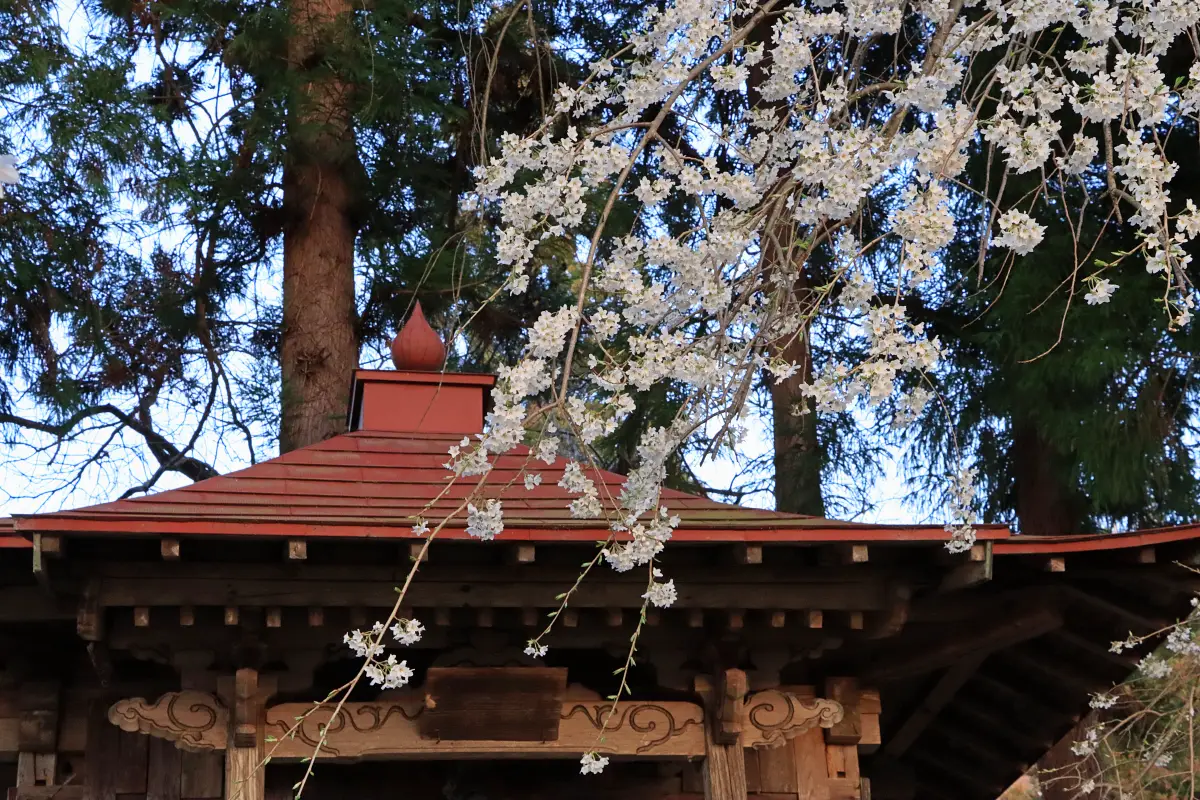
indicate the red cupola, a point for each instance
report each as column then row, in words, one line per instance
column 418, row 397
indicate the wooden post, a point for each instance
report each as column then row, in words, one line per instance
column 245, row 773
column 724, row 768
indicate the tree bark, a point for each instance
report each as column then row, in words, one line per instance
column 319, row 348
column 797, row 459
column 1046, row 504
column 797, row 451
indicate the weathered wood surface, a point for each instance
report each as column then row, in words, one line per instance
column 519, row 704
column 391, row 728
column 193, row 720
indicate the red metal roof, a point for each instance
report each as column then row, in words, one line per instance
column 373, row 484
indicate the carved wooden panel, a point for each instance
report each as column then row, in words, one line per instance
column 391, row 729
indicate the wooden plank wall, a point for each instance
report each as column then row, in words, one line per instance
column 133, row 766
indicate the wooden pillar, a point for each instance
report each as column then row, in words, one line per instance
column 724, row 769
column 245, row 772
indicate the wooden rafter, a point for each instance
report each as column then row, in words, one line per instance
column 929, row 707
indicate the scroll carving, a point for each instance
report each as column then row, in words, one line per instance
column 193, row 720
column 775, row 716
column 391, row 729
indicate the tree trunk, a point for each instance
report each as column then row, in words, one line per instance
column 319, row 348
column 797, row 451
column 798, row 458
column 1046, row 504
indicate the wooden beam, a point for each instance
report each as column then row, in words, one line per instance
column 724, row 767
column 245, row 779
column 48, row 544
column 297, row 550
column 848, row 730
column 990, row 632
column 197, row 584
column 1142, row 624
column 89, row 620
column 930, row 706
column 748, row 553
column 855, row 554
column 976, row 570
column 1096, row 650
column 168, row 547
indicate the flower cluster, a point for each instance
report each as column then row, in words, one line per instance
column 386, row 671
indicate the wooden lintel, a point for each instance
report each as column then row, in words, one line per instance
column 201, row 584
column 168, row 548
column 297, row 549
column 930, row 706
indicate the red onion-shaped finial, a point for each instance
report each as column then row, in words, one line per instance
column 417, row 347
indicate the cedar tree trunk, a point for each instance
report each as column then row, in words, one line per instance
column 797, row 452
column 319, row 347
column 1046, row 503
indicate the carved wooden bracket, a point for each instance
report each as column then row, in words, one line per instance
column 774, row 716
column 193, row 720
